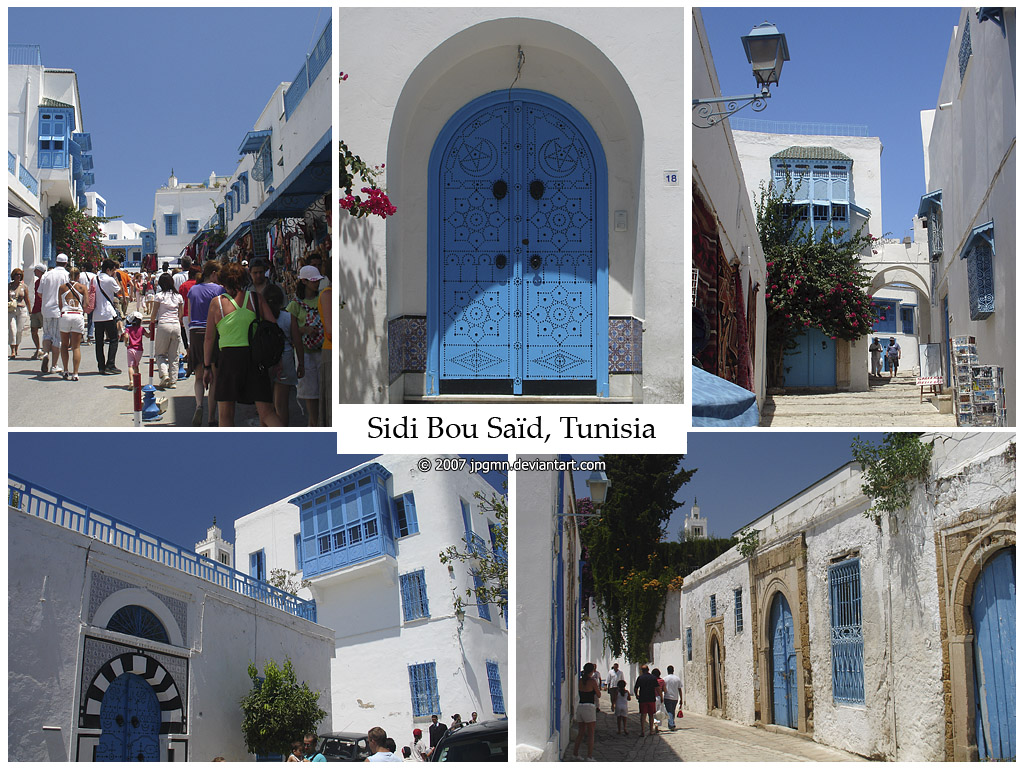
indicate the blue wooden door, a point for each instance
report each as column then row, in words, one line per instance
column 813, row 362
column 130, row 719
column 784, row 697
column 521, row 246
column 993, row 610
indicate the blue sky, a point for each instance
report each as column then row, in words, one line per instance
column 742, row 475
column 863, row 66
column 168, row 88
column 172, row 485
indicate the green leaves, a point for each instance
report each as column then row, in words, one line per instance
column 489, row 563
column 278, row 711
column 890, row 468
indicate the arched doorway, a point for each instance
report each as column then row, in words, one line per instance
column 518, row 278
column 993, row 614
column 716, row 698
column 130, row 721
column 783, row 663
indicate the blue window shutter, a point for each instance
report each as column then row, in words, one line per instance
column 423, row 688
column 298, row 551
column 257, row 565
column 907, row 319
column 689, row 644
column 467, row 521
column 243, row 186
column 410, row 513
column 847, row 636
column 737, row 595
column 229, row 206
column 482, row 606
column 494, row 684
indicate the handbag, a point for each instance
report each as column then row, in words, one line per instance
column 90, row 302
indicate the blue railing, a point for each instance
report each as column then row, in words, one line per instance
column 478, row 547
column 26, row 178
column 311, row 67
column 24, row 55
column 803, row 129
column 12, row 162
column 39, row 502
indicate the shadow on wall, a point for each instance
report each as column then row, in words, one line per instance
column 361, row 374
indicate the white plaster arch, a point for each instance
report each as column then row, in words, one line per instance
column 481, row 59
column 28, row 254
column 149, row 601
column 900, row 273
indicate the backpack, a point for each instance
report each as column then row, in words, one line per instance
column 313, row 337
column 266, row 343
column 90, row 302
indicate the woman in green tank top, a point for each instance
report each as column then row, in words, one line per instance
column 227, row 332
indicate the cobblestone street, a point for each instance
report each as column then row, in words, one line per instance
column 702, row 738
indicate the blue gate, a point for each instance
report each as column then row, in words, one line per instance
column 994, row 613
column 130, row 719
column 813, row 362
column 518, row 277
column 784, row 692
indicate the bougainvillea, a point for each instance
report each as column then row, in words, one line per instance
column 811, row 282
column 376, row 202
column 77, row 234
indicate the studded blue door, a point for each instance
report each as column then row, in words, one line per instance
column 520, row 250
column 813, row 362
column 994, row 613
column 784, row 702
column 130, row 719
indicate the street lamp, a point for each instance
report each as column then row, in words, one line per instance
column 766, row 51
column 598, row 483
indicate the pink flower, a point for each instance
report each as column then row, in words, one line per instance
column 344, row 76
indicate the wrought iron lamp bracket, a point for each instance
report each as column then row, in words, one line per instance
column 706, row 113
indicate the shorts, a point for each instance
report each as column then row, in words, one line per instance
column 239, row 380
column 134, row 357
column 51, row 329
column 648, row 707
column 287, row 374
column 308, row 387
column 196, row 349
column 35, row 321
column 72, row 323
column 586, row 713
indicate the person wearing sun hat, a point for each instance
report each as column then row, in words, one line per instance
column 49, row 286
column 306, row 311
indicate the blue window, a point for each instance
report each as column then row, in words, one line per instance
column 467, row 520
column 885, row 315
column 220, row 216
column 405, row 515
column 689, row 644
column 414, row 595
column 101, row 208
column 965, row 48
column 494, row 683
column 423, row 686
column 192, row 226
column 258, row 565
column 979, row 252
column 229, row 206
column 138, row 621
column 714, row 606
column 54, row 136
column 112, row 236
column 298, row 551
column 482, row 606
column 907, row 319
column 243, row 187
column 737, row 601
column 171, row 224
column 847, row 636
column 236, row 196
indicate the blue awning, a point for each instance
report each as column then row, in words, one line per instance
column 720, row 403
column 985, row 231
column 310, row 180
column 928, row 201
column 253, row 141
column 862, row 211
column 230, row 240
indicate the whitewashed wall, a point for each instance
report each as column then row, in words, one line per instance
column 970, row 154
column 49, row 614
column 402, row 90
column 724, row 187
column 190, row 200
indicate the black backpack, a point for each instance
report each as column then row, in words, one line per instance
column 266, row 342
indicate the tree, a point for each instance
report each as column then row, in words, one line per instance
column 489, row 564
column 78, row 234
column 890, row 468
column 278, row 710
column 811, row 282
column 630, row 572
column 286, row 580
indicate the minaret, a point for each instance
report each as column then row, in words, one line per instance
column 695, row 526
column 172, row 182
column 215, row 547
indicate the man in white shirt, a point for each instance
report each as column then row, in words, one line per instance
column 418, row 747
column 673, row 687
column 49, row 285
column 614, row 676
column 105, row 316
column 182, row 277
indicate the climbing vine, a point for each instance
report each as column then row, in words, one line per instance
column 890, row 469
column 749, row 539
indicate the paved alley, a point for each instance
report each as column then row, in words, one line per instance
column 702, row 738
column 892, row 403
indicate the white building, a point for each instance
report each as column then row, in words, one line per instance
column 728, row 260
column 547, row 611
column 970, row 151
column 367, row 541
column 180, row 210
column 877, row 639
column 122, row 646
column 551, row 266
column 695, row 526
column 48, row 158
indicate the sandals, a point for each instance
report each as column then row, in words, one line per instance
column 65, row 376
column 74, row 377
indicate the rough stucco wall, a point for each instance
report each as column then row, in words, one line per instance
column 726, row 191
column 970, row 152
column 666, row 643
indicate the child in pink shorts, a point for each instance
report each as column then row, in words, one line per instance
column 133, row 333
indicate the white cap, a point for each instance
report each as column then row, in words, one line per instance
column 309, row 272
column 62, row 258
column 39, row 268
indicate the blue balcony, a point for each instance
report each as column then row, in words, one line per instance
column 24, row 55
column 39, row 502
column 12, row 162
column 314, row 64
